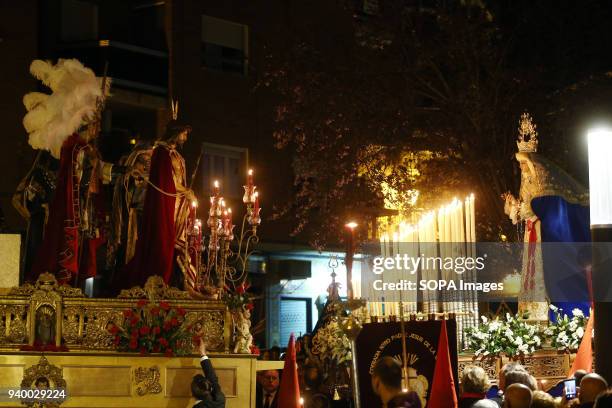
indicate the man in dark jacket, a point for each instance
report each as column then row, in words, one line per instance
column 387, row 384
column 267, row 389
column 205, row 388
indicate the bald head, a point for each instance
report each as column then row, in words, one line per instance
column 591, row 385
column 517, row 396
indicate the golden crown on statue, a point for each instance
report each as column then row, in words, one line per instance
column 528, row 135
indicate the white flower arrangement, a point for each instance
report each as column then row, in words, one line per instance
column 512, row 336
column 566, row 333
column 332, row 342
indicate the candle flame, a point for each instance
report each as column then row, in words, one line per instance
column 351, row 225
column 250, row 172
column 194, row 203
column 216, row 183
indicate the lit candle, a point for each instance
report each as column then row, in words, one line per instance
column 473, row 218
column 216, row 187
column 256, row 207
column 250, row 178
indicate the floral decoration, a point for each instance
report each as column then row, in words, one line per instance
column 330, row 340
column 512, row 336
column 566, row 333
column 238, row 299
column 153, row 328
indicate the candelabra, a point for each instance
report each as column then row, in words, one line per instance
column 222, row 254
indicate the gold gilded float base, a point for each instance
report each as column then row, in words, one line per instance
column 124, row 380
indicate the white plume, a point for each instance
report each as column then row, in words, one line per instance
column 51, row 119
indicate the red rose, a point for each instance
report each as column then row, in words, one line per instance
column 174, row 321
column 167, row 325
column 156, row 330
column 155, row 311
column 128, row 313
column 133, row 344
column 113, row 329
column 134, row 320
column 255, row 350
column 144, row 330
column 181, row 311
column 250, row 306
column 168, row 352
column 142, row 303
column 164, row 305
column 240, row 289
column 163, row 342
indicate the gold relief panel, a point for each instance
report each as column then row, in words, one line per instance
column 545, row 366
column 178, row 381
column 98, row 381
column 147, row 380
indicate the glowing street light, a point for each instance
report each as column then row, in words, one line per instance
column 350, row 253
column 600, row 176
column 600, row 204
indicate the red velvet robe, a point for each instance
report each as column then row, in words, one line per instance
column 62, row 251
column 154, row 254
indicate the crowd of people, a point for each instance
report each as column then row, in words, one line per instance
column 517, row 388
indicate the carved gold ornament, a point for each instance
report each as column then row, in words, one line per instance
column 147, row 380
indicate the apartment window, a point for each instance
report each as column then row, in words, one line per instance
column 227, row 164
column 224, row 45
column 295, row 317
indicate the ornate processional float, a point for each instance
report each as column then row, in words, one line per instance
column 138, row 348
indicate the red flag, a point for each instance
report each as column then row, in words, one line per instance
column 289, row 390
column 443, row 388
column 584, row 356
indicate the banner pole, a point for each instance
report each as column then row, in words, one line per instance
column 356, row 395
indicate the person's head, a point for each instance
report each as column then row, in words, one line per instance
column 42, row 383
column 201, row 388
column 387, row 377
column 270, row 380
column 578, row 376
column 275, row 353
column 312, row 376
column 517, row 396
column 485, row 403
column 474, row 380
column 176, row 133
column 507, row 368
column 541, row 399
column 604, row 400
column 591, row 386
column 521, row 377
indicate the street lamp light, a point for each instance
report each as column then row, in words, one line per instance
column 350, row 253
column 600, row 202
column 600, row 177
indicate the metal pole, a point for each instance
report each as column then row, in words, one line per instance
column 356, row 395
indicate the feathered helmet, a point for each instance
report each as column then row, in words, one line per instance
column 76, row 99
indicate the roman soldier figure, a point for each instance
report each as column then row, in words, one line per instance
column 66, row 124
